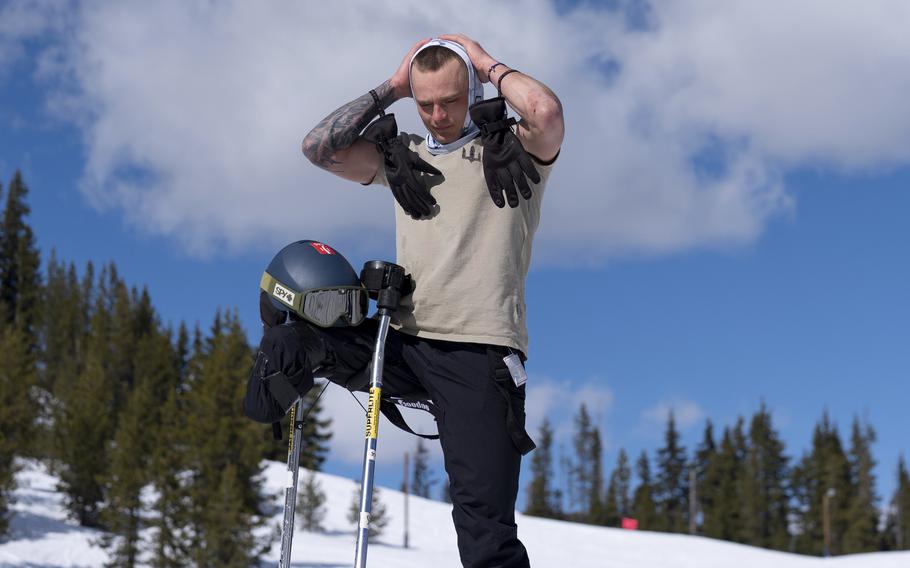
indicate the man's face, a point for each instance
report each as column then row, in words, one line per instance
column 442, row 99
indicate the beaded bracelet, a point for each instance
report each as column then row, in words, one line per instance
column 490, row 70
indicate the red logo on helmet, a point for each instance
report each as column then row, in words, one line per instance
column 322, row 249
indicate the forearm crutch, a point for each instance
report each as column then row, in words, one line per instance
column 290, row 491
column 386, row 281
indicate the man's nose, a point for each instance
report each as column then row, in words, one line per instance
column 439, row 113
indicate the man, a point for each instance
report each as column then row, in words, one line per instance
column 461, row 336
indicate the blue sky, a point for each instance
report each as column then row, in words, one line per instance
column 728, row 244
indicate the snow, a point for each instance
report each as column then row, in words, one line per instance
column 42, row 536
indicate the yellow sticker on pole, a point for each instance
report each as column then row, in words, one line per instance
column 373, row 413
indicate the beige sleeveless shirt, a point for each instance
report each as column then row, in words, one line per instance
column 469, row 260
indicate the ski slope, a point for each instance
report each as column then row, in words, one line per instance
column 41, row 536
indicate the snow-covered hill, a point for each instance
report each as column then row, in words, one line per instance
column 41, row 536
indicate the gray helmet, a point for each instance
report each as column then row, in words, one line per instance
column 310, row 280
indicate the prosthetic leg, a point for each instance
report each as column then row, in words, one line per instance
column 386, row 281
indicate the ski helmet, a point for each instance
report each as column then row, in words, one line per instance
column 311, row 280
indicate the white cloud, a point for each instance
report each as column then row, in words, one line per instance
column 686, row 414
column 209, row 102
column 559, row 400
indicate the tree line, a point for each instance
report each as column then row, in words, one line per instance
column 114, row 402
column 740, row 486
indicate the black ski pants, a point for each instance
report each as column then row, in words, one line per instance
column 481, row 459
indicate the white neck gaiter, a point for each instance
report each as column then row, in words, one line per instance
column 475, row 95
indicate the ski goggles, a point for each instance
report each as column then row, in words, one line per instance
column 323, row 307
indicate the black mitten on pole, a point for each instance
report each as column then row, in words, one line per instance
column 411, row 190
column 505, row 161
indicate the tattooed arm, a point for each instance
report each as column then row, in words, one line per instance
column 335, row 144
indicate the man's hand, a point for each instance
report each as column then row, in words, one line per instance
column 505, row 162
column 400, row 81
column 479, row 57
column 410, row 188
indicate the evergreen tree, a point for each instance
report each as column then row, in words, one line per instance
column 764, row 491
column 421, row 480
column 644, row 509
column 705, row 454
column 20, row 281
column 587, row 468
column 542, row 500
column 223, row 452
column 617, row 503
column 724, row 480
column 169, row 459
column 130, row 454
column 311, row 504
column 121, row 512
column 899, row 516
column 84, row 424
column 672, row 485
column 17, row 374
column 824, row 468
column 379, row 517
column 861, row 534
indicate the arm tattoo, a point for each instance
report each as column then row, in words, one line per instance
column 341, row 128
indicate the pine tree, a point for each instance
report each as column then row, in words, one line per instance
column 764, row 491
column 861, row 534
column 542, row 500
column 223, row 451
column 587, row 468
column 824, row 468
column 20, row 280
column 421, row 480
column 311, row 504
column 379, row 517
column 62, row 328
column 617, row 503
column 130, row 455
column 128, row 474
column 644, row 509
column 724, row 476
column 84, row 424
column 672, row 485
column 168, row 460
column 705, row 453
column 900, row 508
column 17, row 374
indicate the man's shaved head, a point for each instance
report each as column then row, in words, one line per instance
column 434, row 57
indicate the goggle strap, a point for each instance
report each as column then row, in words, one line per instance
column 291, row 298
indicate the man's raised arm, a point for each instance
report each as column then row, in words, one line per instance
column 541, row 128
column 335, row 144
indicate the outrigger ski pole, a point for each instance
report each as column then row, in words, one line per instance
column 290, row 492
column 386, row 281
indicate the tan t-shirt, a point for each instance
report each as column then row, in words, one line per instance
column 470, row 259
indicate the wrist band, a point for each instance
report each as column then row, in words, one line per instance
column 378, row 103
column 503, row 76
column 490, row 70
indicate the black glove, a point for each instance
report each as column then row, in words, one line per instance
column 505, row 161
column 411, row 190
column 281, row 374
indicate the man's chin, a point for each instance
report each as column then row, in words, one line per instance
column 445, row 137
